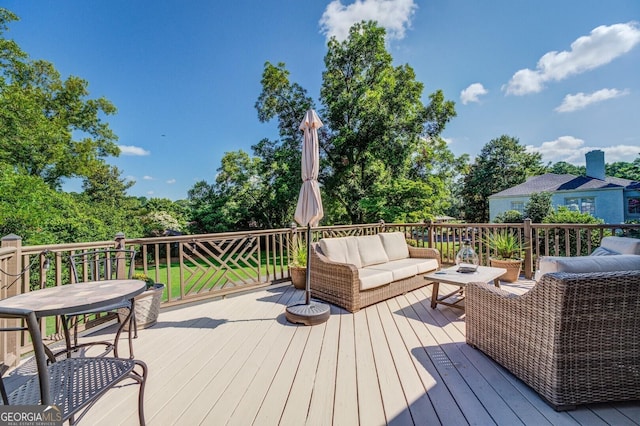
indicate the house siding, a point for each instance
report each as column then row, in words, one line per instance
column 608, row 203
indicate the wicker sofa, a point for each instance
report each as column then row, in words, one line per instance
column 573, row 337
column 354, row 272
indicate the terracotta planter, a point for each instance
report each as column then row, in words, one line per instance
column 512, row 266
column 298, row 277
column 147, row 307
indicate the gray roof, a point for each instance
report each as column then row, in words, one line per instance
column 552, row 182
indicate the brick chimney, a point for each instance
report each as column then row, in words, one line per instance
column 595, row 164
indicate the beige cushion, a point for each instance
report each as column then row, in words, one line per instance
column 584, row 264
column 399, row 269
column 394, row 245
column 423, row 265
column 372, row 278
column 371, row 250
column 341, row 250
column 621, row 245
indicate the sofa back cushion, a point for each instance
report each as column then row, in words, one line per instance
column 585, row 264
column 371, row 250
column 394, row 245
column 341, row 250
column 621, row 245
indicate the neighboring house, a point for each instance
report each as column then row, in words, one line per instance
column 611, row 199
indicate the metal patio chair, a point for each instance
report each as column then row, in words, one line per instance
column 101, row 265
column 72, row 385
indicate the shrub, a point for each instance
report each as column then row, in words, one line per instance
column 564, row 215
column 510, row 216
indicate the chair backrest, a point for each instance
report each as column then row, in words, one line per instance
column 100, row 265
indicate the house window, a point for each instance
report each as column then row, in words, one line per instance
column 582, row 205
column 517, row 206
column 633, row 205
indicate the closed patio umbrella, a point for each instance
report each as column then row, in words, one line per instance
column 308, row 213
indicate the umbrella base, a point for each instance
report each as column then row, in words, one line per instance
column 312, row 314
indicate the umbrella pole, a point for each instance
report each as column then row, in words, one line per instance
column 308, row 271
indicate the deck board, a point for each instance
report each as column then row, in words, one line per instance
column 370, row 409
column 346, row 390
column 237, row 361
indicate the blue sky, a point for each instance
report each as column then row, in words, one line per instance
column 561, row 76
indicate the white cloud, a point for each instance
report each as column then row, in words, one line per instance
column 601, row 46
column 393, row 15
column 147, row 177
column 171, row 181
column 471, row 93
column 133, row 150
column 150, row 192
column 572, row 150
column 582, row 100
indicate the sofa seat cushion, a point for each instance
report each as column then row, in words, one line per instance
column 586, row 264
column 424, row 265
column 395, row 245
column 372, row 278
column 341, row 250
column 621, row 245
column 398, row 268
column 371, row 250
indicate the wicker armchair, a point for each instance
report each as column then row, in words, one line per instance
column 573, row 338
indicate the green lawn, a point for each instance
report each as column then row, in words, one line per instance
column 207, row 278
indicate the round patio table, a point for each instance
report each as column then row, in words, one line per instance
column 71, row 298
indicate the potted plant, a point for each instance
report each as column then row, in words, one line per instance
column 147, row 304
column 506, row 249
column 298, row 266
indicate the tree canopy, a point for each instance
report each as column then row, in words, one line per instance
column 380, row 149
column 51, row 130
column 48, row 126
column 502, row 163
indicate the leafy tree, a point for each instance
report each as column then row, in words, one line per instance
column 564, row 168
column 538, row 207
column 204, row 208
column 620, row 169
column 51, row 130
column 624, row 170
column 176, row 209
column 502, row 163
column 103, row 184
column 157, row 222
column 375, row 119
column 40, row 215
column 380, row 151
column 48, row 126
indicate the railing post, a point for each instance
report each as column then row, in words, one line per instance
column 431, row 234
column 11, row 286
column 121, row 258
column 528, row 249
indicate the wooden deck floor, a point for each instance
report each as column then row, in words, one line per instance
column 237, row 361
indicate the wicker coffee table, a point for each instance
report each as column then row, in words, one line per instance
column 450, row 275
